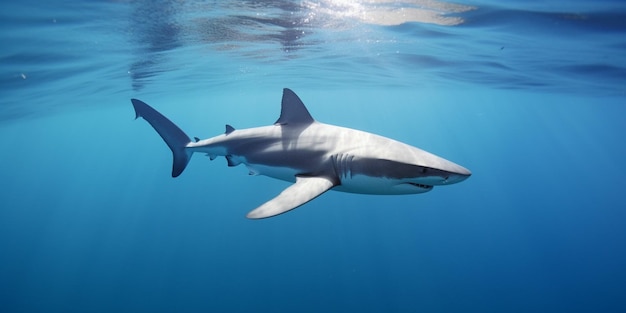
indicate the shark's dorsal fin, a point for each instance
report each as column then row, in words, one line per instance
column 229, row 129
column 293, row 111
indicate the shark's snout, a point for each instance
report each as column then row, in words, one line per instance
column 457, row 177
column 449, row 173
column 455, row 174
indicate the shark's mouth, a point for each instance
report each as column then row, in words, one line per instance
column 420, row 185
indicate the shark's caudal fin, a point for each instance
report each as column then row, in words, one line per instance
column 173, row 136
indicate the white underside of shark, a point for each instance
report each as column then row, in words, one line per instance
column 316, row 157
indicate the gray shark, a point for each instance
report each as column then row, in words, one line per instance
column 315, row 157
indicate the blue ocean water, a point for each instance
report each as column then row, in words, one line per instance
column 529, row 95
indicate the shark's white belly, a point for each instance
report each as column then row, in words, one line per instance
column 378, row 186
column 278, row 172
column 355, row 184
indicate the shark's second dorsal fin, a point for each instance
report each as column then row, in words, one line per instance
column 229, row 129
column 293, row 111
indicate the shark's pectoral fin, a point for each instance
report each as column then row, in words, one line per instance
column 304, row 190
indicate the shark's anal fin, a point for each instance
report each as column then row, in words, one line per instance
column 304, row 190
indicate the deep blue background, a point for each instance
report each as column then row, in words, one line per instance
column 91, row 221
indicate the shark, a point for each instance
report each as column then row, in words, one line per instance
column 313, row 156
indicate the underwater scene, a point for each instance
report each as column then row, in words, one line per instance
column 330, row 156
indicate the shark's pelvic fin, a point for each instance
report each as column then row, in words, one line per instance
column 293, row 111
column 232, row 161
column 173, row 136
column 304, row 190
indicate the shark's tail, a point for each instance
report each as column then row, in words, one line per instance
column 173, row 136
